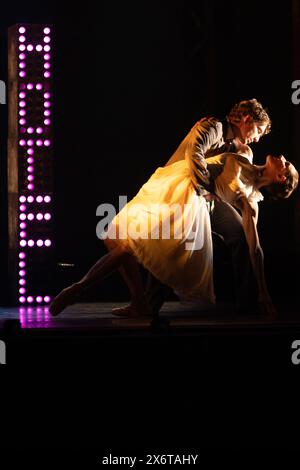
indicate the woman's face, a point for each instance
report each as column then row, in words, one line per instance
column 278, row 163
column 278, row 168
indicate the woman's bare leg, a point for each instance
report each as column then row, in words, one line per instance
column 102, row 268
column 130, row 271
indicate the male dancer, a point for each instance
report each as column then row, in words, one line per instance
column 246, row 123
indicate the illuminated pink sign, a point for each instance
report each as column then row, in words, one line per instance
column 34, row 43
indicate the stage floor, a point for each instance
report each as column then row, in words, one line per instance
column 189, row 377
column 98, row 317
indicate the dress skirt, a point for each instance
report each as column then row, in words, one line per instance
column 167, row 227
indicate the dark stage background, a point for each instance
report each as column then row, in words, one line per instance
column 129, row 82
column 130, row 79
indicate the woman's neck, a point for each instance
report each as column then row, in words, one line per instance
column 263, row 179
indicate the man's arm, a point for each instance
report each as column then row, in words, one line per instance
column 204, row 135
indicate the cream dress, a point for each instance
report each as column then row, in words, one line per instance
column 167, row 225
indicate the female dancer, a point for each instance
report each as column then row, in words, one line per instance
column 166, row 228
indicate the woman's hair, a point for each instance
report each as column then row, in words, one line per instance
column 252, row 108
column 285, row 189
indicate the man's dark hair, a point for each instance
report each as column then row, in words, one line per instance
column 252, row 108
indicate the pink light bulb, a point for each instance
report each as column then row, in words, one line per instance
column 22, row 56
column 22, row 290
column 22, row 217
column 47, row 48
column 22, row 74
column 22, row 30
column 30, row 187
column 47, row 122
column 22, row 282
column 22, row 142
column 29, row 86
column 30, row 142
column 47, row 216
column 22, row 65
column 22, row 300
column 30, row 199
column 22, row 130
column 39, row 130
column 22, row 47
column 47, row 30
column 47, row 242
column 47, row 298
column 22, row 199
column 30, row 178
column 22, row 207
column 39, row 86
column 22, row 264
column 39, row 143
column 39, row 216
column 22, row 104
column 40, row 243
column 31, row 243
column 47, row 143
column 22, row 39
column 22, row 122
column 47, row 39
column 47, row 104
column 23, row 234
column 39, row 48
column 47, row 56
column 30, row 47
column 39, row 299
column 23, row 225
column 30, row 299
column 47, row 112
column 22, row 273
column 30, row 160
column 30, row 216
column 47, row 65
column 22, row 112
column 47, row 198
column 47, row 74
column 47, row 95
column 22, row 95
column 22, row 255
column 30, row 169
column 30, row 151
column 39, row 199
column 30, row 130
column 23, row 243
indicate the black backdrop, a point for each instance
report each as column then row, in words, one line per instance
column 130, row 79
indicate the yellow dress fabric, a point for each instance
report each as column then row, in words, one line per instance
column 184, row 260
column 167, row 226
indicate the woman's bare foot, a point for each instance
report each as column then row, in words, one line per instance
column 133, row 310
column 66, row 297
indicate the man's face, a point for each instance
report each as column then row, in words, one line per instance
column 250, row 130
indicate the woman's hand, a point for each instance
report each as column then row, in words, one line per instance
column 266, row 306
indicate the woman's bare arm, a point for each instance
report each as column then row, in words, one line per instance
column 249, row 218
